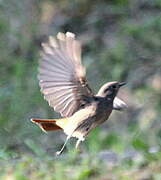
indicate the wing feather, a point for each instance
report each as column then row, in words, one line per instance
column 61, row 74
column 119, row 105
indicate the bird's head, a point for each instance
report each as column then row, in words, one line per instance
column 110, row 89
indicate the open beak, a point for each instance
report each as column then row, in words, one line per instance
column 122, row 84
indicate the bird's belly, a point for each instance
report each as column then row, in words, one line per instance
column 86, row 126
column 82, row 122
column 78, row 130
column 78, row 120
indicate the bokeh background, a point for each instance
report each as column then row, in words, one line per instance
column 121, row 40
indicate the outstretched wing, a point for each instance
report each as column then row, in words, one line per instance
column 61, row 74
column 118, row 104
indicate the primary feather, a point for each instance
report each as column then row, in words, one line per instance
column 61, row 74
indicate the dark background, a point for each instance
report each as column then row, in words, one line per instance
column 121, row 41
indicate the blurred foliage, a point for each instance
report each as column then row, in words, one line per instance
column 121, row 40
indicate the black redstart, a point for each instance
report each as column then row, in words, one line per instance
column 64, row 85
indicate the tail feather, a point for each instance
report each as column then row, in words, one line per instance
column 50, row 124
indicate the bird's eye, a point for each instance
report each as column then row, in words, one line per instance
column 114, row 86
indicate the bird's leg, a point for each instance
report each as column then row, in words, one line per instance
column 77, row 143
column 61, row 150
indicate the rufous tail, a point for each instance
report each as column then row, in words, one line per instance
column 50, row 124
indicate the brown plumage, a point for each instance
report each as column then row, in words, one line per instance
column 64, row 85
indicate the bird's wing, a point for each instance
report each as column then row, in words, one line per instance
column 118, row 104
column 61, row 74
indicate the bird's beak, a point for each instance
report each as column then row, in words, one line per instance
column 122, row 84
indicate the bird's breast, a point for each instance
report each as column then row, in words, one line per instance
column 104, row 110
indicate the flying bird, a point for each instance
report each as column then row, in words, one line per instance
column 62, row 80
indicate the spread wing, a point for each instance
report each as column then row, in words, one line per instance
column 118, row 104
column 61, row 74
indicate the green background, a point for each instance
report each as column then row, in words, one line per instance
column 121, row 41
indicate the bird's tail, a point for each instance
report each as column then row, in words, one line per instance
column 50, row 124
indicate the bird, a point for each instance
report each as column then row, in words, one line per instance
column 63, row 82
